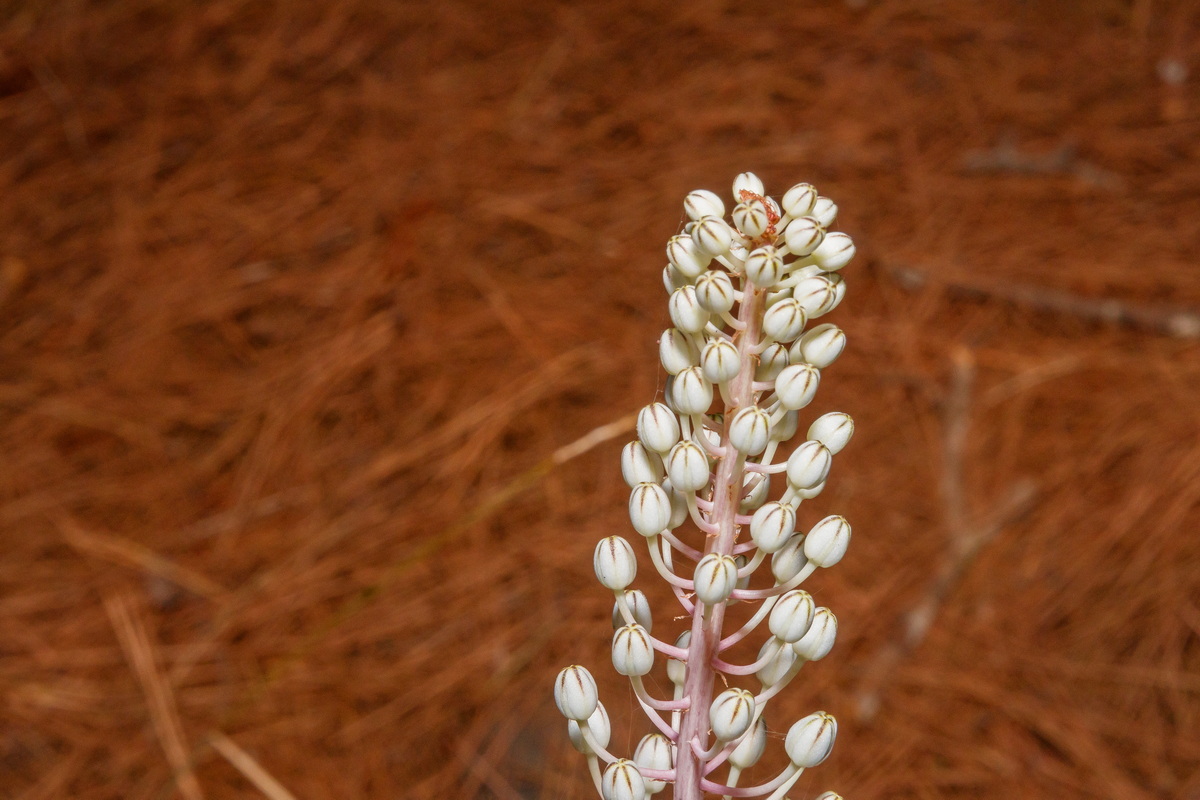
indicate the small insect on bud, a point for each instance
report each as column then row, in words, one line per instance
column 622, row 781
column 575, row 693
column 817, row 643
column 771, row 362
column 747, row 182
column 687, row 466
column 686, row 257
column 810, row 741
column 649, row 509
column 676, row 351
column 750, row 430
column 798, row 201
column 808, row 465
column 731, row 714
column 824, row 212
column 832, row 430
column 712, row 235
column 764, row 267
column 654, row 752
column 751, row 218
column 685, row 310
column 691, row 392
column 797, row 385
column 785, row 320
column 632, row 651
column 787, row 562
column 814, row 293
column 614, row 563
column 772, row 525
column 703, row 203
column 803, row 235
column 714, row 290
column 657, row 427
column 751, row 748
column 720, row 361
column 792, row 616
column 774, row 670
column 639, row 465
column 827, row 542
column 835, row 252
column 715, row 578
column 639, row 606
column 820, row 346
column 676, row 669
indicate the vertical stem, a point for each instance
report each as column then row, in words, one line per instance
column 707, row 620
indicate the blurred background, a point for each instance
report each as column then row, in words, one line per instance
column 300, row 304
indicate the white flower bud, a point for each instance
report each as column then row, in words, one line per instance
column 758, row 487
column 786, row 428
column 686, row 312
column 773, row 671
column 649, row 509
column 832, row 430
column 731, row 713
column 703, row 203
column 632, row 651
column 817, row 643
column 772, row 526
column 575, row 693
column 747, row 182
column 712, row 235
column 676, row 351
column 673, row 279
column 785, row 320
column 751, row 748
column 639, row 465
column 720, row 361
column 824, row 212
column 676, row 669
column 715, row 578
column 764, row 266
column 657, row 427
column 798, row 201
column 814, row 293
column 614, row 563
column 838, row 283
column 687, row 466
column 829, row 796
column 810, row 741
column 820, row 346
column 797, row 385
column 622, row 781
column 691, row 392
column 787, row 562
column 679, row 507
column 599, row 726
column 714, row 291
column 827, row 541
column 654, row 752
column 809, row 494
column 835, row 252
column 792, row 615
column 639, row 606
column 749, row 430
column 744, row 581
column 771, row 362
column 808, row 465
column 683, row 253
column 751, row 218
column 803, row 235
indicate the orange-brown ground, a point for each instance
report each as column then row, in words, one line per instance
column 296, row 299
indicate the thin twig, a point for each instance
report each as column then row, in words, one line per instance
column 244, row 763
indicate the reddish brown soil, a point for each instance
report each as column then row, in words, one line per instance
column 296, row 299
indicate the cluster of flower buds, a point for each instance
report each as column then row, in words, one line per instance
column 743, row 362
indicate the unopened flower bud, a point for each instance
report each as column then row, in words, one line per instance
column 826, row 543
column 676, row 351
column 751, row 748
column 756, row 487
column 720, row 361
column 679, row 508
column 715, row 578
column 649, row 509
column 654, row 752
column 657, row 427
column 813, row 294
column 824, row 212
column 787, row 562
column 764, row 266
column 614, row 563
column 750, row 430
column 817, row 643
column 820, row 346
column 638, row 605
column 686, row 256
column 685, row 310
column 712, row 235
column 751, row 218
column 798, row 201
column 703, row 203
column 810, row 740
column 792, row 615
column 687, row 466
column 692, row 393
column 838, row 283
column 773, row 671
column 632, row 651
column 809, row 494
column 714, row 291
column 829, row 796
column 676, row 669
column 747, row 182
column 639, row 465
column 622, row 781
column 598, row 725
column 673, row 279
column 834, row 252
column 803, row 235
column 808, row 465
column 796, row 385
column 786, row 428
column 731, row 714
column 575, row 693
column 785, row 320
column 772, row 525
column 771, row 362
column 832, row 430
